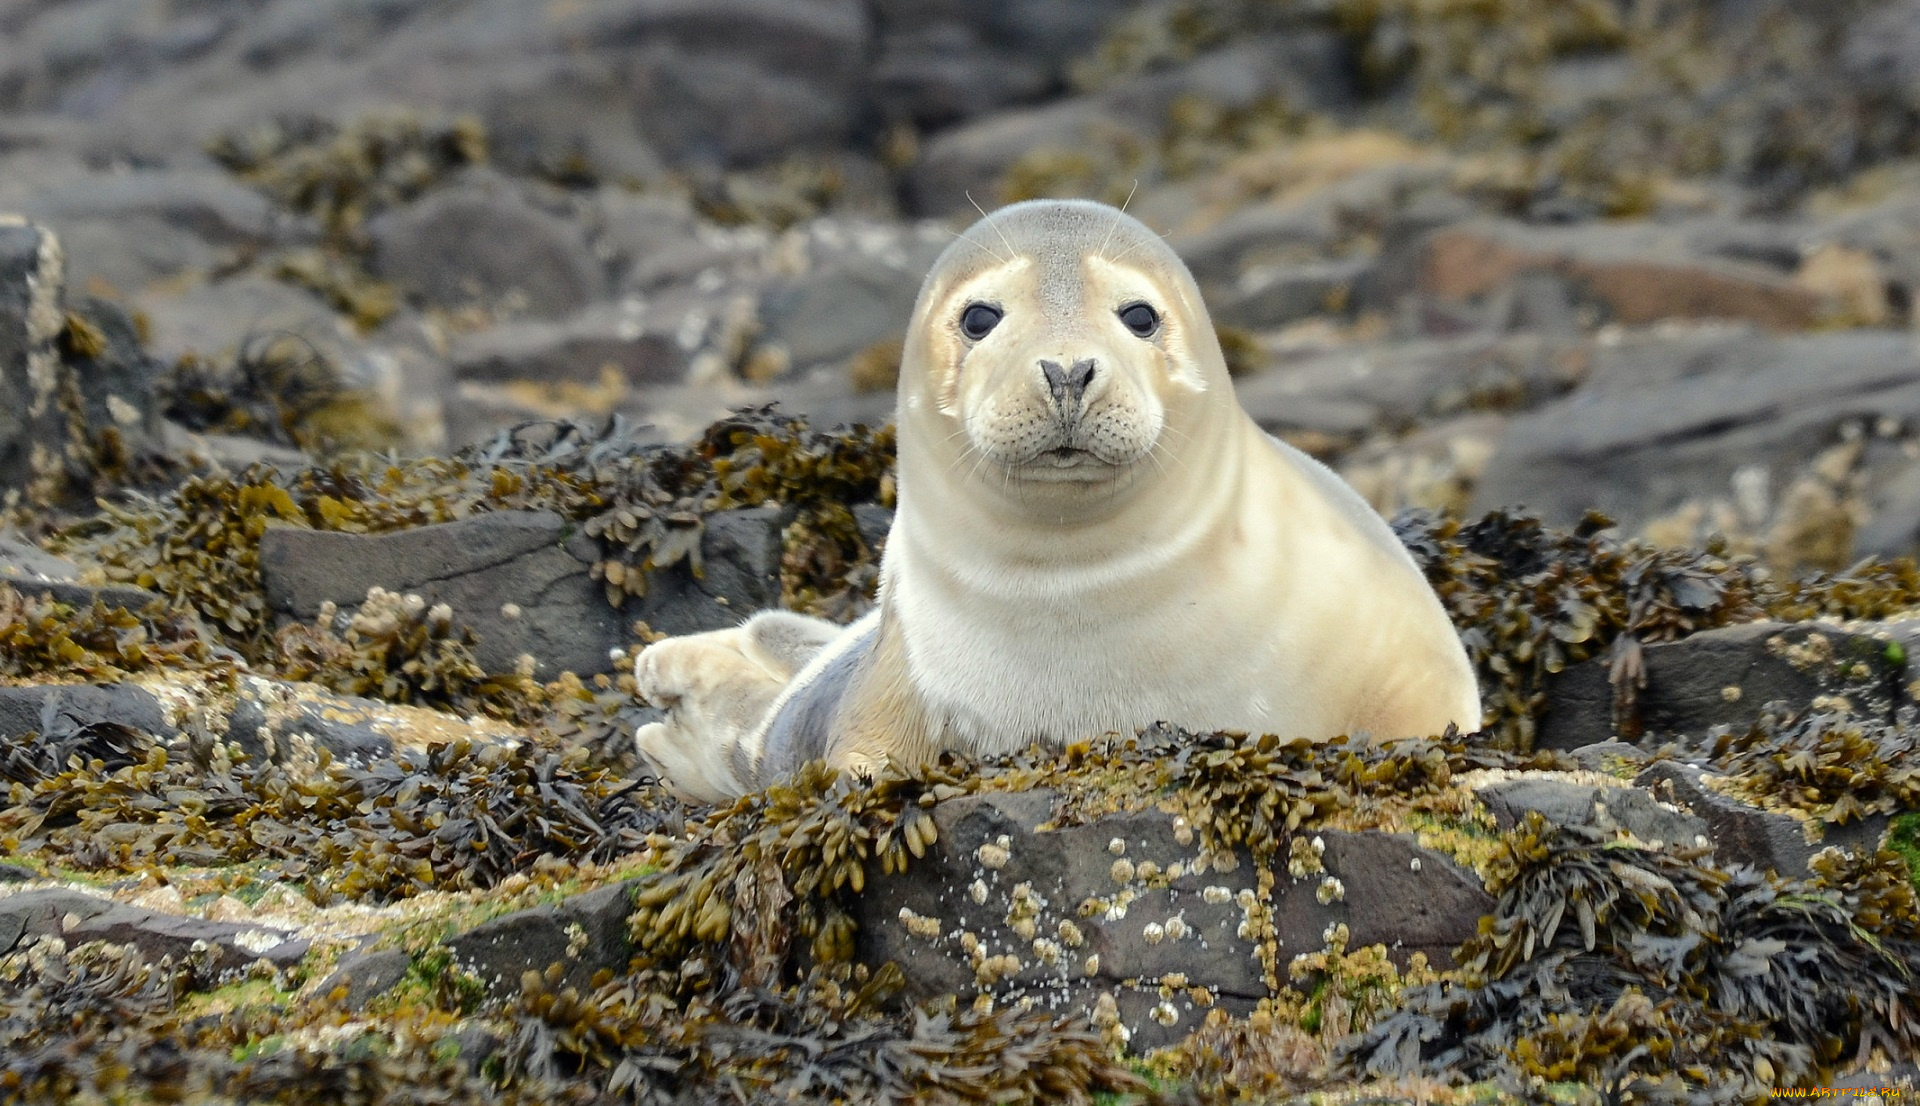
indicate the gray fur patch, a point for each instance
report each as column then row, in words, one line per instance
column 800, row 731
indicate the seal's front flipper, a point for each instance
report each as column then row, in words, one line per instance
column 716, row 689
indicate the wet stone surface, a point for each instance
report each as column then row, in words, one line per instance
column 1128, row 907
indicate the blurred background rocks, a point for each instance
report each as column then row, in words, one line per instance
column 1655, row 258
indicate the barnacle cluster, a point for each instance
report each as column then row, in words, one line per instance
column 397, row 648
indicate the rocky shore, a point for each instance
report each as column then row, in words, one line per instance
column 375, row 378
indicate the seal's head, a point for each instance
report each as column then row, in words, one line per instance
column 1055, row 347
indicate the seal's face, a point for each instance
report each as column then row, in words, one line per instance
column 1052, row 365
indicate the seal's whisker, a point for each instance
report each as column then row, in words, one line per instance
column 978, row 246
column 1004, row 240
column 1115, row 225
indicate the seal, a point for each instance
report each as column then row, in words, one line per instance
column 1091, row 536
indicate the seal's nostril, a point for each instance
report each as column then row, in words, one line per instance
column 1068, row 385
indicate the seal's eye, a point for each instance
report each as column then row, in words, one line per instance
column 1140, row 319
column 978, row 320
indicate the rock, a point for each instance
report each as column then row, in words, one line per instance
column 519, row 580
column 277, row 721
column 1347, row 392
column 124, row 231
column 14, row 873
column 22, row 561
column 578, row 349
column 1256, row 236
column 1665, row 420
column 83, row 595
column 586, row 933
column 1614, row 809
column 1632, row 274
column 77, row 917
column 31, row 275
column 1268, row 297
column 1305, row 70
column 1606, row 756
column 1726, row 677
column 734, row 82
column 992, row 872
column 741, row 553
column 508, row 575
column 1743, row 834
column 365, row 976
column 32, row 708
column 482, row 242
column 217, row 321
column 826, row 317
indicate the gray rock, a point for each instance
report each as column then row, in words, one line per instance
column 579, row 349
column 14, row 873
column 972, row 159
column 22, row 560
column 828, row 316
column 77, row 917
column 1688, row 681
column 27, row 709
column 1268, row 297
column 586, row 933
column 1601, row 756
column 31, row 280
column 1348, row 392
column 1612, row 809
column 274, row 721
column 1259, row 235
column 365, row 976
column 1665, row 420
column 83, row 595
column 741, row 552
column 482, row 242
column 1142, row 930
column 519, row 580
column 483, row 567
column 1743, row 834
column 124, row 231
column 737, row 81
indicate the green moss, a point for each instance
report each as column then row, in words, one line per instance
column 1903, row 837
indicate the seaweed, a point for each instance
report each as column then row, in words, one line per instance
column 1619, row 965
column 44, row 639
column 459, row 815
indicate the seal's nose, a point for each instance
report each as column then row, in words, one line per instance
column 1069, row 384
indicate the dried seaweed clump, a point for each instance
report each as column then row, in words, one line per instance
column 1255, row 791
column 42, row 638
column 1530, row 600
column 1772, row 100
column 829, row 1038
column 396, row 648
column 1643, row 970
column 277, row 388
column 1841, row 767
column 457, row 816
column 780, row 864
column 342, row 175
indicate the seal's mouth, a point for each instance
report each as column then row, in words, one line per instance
column 1069, row 464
